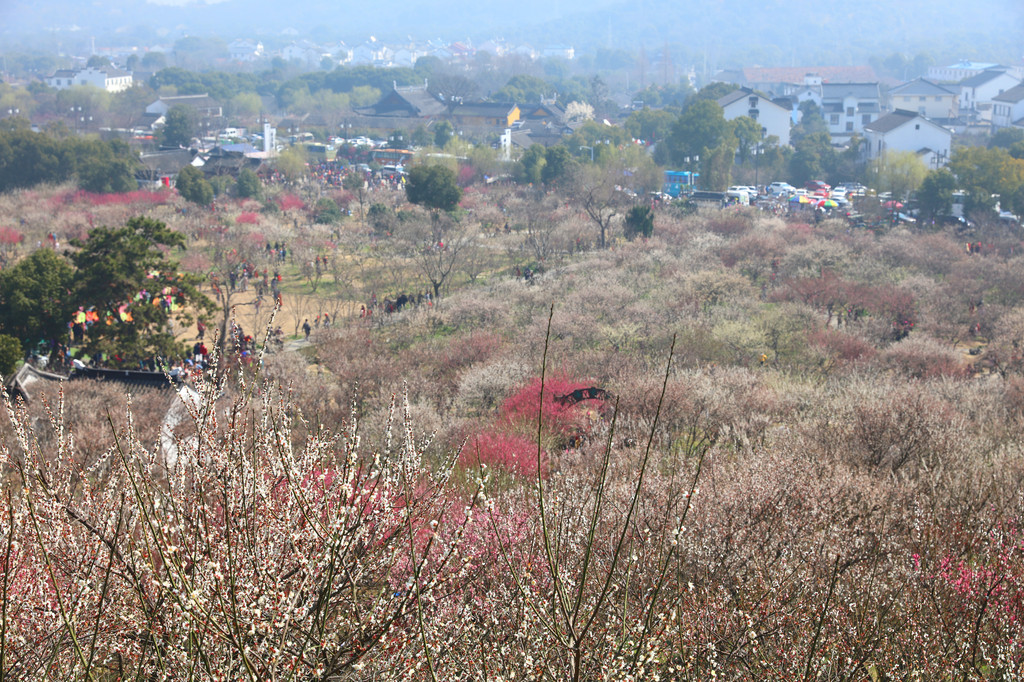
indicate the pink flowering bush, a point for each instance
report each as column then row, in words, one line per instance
column 289, row 202
column 508, row 452
column 247, row 218
column 521, row 408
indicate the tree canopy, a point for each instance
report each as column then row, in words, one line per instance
column 35, row 300
column 433, row 187
column 124, row 275
column 180, row 127
column 193, row 186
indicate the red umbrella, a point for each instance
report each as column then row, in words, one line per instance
column 892, row 204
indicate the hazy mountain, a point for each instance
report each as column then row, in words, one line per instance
column 722, row 32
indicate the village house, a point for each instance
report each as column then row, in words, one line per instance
column 978, row 92
column 908, row 131
column 931, row 100
column 203, row 105
column 245, row 50
column 774, row 119
column 103, row 77
column 1008, row 108
column 414, row 102
column 954, row 73
column 485, row 115
column 306, row 53
column 788, row 81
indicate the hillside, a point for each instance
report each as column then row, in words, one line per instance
column 721, row 32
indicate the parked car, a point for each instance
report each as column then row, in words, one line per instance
column 818, row 186
column 777, row 188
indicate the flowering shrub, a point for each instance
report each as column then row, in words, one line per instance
column 138, row 197
column 247, row 219
column 514, row 454
column 235, row 556
column 288, row 202
column 10, row 236
column 521, row 408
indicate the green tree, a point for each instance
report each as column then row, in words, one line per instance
column 292, row 162
column 749, row 134
column 34, row 298
column 523, row 88
column 649, row 125
column 248, row 184
column 988, row 171
column 558, row 165
column 1006, row 137
column 180, row 127
column 433, row 187
column 713, row 92
column 10, row 354
column 126, row 266
column 443, row 132
column 103, row 167
column 699, row 129
column 193, row 186
column 811, row 121
column 154, row 61
column 935, row 196
column 27, row 159
column 98, row 61
column 812, row 156
column 639, row 222
column 327, row 212
column 898, row 172
column 530, row 167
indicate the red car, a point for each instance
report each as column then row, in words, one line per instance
column 818, row 186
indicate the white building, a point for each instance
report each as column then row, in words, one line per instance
column 305, row 52
column 929, row 99
column 203, row 105
column 105, row 78
column 978, row 92
column 908, row 131
column 954, row 73
column 774, row 118
column 1008, row 108
column 245, row 50
column 848, row 107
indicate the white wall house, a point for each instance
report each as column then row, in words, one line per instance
column 105, row 78
column 304, row 52
column 245, row 50
column 203, row 105
column 1008, row 108
column 908, row 131
column 848, row 107
column 929, row 99
column 954, row 73
column 978, row 92
column 774, row 118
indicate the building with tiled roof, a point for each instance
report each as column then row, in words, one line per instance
column 785, row 81
column 774, row 119
column 1008, row 108
column 485, row 114
column 931, row 100
column 954, row 73
column 406, row 102
column 978, row 92
column 908, row 131
column 105, row 78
